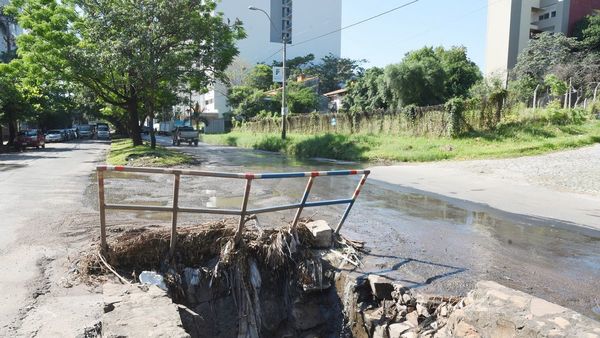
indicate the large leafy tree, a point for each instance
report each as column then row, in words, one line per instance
column 260, row 77
column 128, row 52
column 367, row 93
column 334, row 72
column 419, row 79
column 542, row 54
column 461, row 72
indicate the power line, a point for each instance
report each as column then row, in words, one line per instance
column 357, row 23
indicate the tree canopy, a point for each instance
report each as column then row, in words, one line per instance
column 132, row 55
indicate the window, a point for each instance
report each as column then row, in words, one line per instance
column 541, row 17
column 546, row 16
column 553, row 14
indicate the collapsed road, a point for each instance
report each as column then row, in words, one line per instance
column 432, row 244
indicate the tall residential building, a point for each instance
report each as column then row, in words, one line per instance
column 310, row 19
column 512, row 23
column 8, row 31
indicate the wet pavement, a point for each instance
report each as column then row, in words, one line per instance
column 434, row 243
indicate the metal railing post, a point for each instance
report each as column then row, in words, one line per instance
column 303, row 202
column 238, row 234
column 349, row 207
column 174, row 217
column 101, row 205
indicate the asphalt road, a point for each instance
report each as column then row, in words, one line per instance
column 436, row 244
column 44, row 222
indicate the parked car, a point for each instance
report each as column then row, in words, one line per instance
column 85, row 131
column 55, row 135
column 185, row 134
column 30, row 138
column 102, row 131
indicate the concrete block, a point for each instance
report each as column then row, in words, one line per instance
column 322, row 233
column 397, row 329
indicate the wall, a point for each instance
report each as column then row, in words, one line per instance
column 579, row 9
column 418, row 121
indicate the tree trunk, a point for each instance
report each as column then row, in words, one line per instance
column 1, row 138
column 152, row 133
column 12, row 129
column 134, row 121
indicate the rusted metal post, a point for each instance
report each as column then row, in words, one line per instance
column 349, row 207
column 174, row 217
column 238, row 234
column 303, row 202
column 101, row 205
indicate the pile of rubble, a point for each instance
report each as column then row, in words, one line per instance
column 387, row 309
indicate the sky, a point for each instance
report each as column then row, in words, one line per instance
column 385, row 40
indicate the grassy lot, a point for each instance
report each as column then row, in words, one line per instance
column 508, row 140
column 122, row 152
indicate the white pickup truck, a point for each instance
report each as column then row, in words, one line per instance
column 185, row 134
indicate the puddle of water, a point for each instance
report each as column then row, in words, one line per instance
column 224, row 202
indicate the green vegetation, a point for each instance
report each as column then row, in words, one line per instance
column 123, row 152
column 552, row 131
column 132, row 57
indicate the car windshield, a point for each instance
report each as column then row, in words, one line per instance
column 102, row 128
column 28, row 132
column 84, row 128
column 54, row 132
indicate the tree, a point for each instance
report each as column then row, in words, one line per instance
column 261, row 77
column 419, row 79
column 461, row 72
column 15, row 96
column 247, row 101
column 128, row 52
column 334, row 72
column 544, row 52
column 368, row 92
column 587, row 30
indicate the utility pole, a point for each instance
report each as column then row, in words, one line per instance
column 283, row 106
column 280, row 32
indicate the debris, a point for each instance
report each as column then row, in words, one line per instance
column 381, row 288
column 152, row 278
column 123, row 280
column 322, row 233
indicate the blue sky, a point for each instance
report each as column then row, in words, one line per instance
column 386, row 39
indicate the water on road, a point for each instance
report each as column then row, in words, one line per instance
column 433, row 243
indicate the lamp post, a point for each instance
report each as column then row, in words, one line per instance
column 284, row 41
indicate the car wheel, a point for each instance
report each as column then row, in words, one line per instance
column 44, row 146
column 178, row 142
column 37, row 147
column 195, row 143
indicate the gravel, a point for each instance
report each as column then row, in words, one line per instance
column 576, row 171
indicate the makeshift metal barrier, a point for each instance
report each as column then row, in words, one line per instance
column 242, row 212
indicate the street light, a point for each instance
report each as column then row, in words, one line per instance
column 284, row 40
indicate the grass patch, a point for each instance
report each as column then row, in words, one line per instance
column 122, row 152
column 508, row 140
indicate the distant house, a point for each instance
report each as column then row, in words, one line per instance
column 336, row 99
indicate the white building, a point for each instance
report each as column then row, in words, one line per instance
column 512, row 23
column 311, row 18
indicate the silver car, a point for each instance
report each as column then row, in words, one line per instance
column 54, row 135
column 102, row 132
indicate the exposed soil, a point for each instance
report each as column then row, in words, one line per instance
column 271, row 284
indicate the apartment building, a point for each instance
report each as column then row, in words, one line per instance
column 309, row 19
column 512, row 23
column 9, row 30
